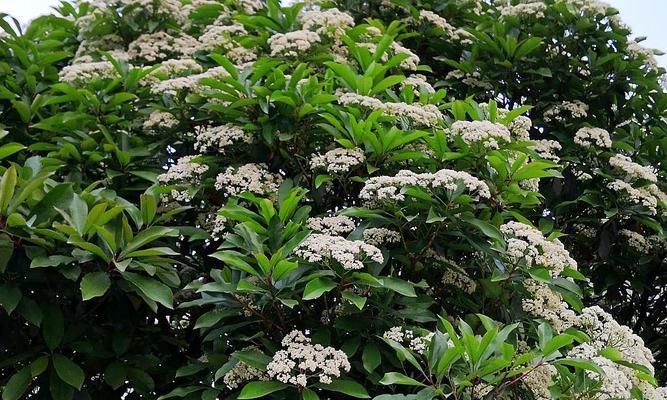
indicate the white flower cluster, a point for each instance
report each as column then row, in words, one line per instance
column 618, row 380
column 527, row 245
column 241, row 373
column 213, row 223
column 547, row 304
column 519, row 127
column 250, row 7
column 632, row 170
column 380, row 236
column 409, row 63
column 565, row 111
column 171, row 9
column 636, row 241
column 418, row 83
column 159, row 46
column 390, row 188
column 409, row 339
column 649, row 196
column 82, row 73
column 539, row 379
column 547, row 149
column 587, row 137
column 176, row 66
column 423, row 114
column 300, row 359
column 484, row 132
column 635, row 50
column 186, row 171
column 330, row 22
column 458, row 278
column 534, row 9
column 221, row 36
column 453, row 33
column 160, row 119
column 615, row 383
column 219, row 137
column 177, row 85
column 254, row 178
column 293, row 44
column 336, row 225
column 338, row 160
column 351, row 254
column 473, row 79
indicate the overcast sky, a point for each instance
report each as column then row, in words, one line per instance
column 645, row 17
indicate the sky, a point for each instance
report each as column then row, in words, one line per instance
column 645, row 17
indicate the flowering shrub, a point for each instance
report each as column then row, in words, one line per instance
column 245, row 199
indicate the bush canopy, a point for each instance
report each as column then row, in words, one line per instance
column 393, row 199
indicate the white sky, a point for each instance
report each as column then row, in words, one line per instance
column 645, row 17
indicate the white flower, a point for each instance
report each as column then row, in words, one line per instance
column 300, row 360
column 160, row 119
column 408, row 338
column 338, row 160
column 160, row 46
column 534, row 9
column 485, row 132
column 330, row 22
column 648, row 196
column 187, row 172
column 565, row 110
column 177, row 85
column 548, row 305
column 242, row 372
column 390, row 188
column 539, row 379
column 219, row 137
column 458, row 278
column 428, row 114
column 293, row 44
column 336, row 225
column 587, row 137
column 527, row 244
column 636, row 241
column 253, row 178
column 418, row 83
column 380, row 236
column 83, row 73
column 632, row 170
column 547, row 149
column 351, row 254
column 453, row 33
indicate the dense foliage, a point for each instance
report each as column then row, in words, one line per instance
column 391, row 199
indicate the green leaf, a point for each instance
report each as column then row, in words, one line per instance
column 53, row 325
column 308, row 394
column 254, row 390
column 8, row 149
column 396, row 378
column 151, row 288
column 114, row 375
column 10, row 296
column 399, row 286
column 317, row 287
column 355, row 299
column 17, row 385
column 147, row 236
column 94, row 284
column 68, row 371
column 371, row 357
column 7, row 186
column 348, row 387
column 148, row 205
column 211, row 318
